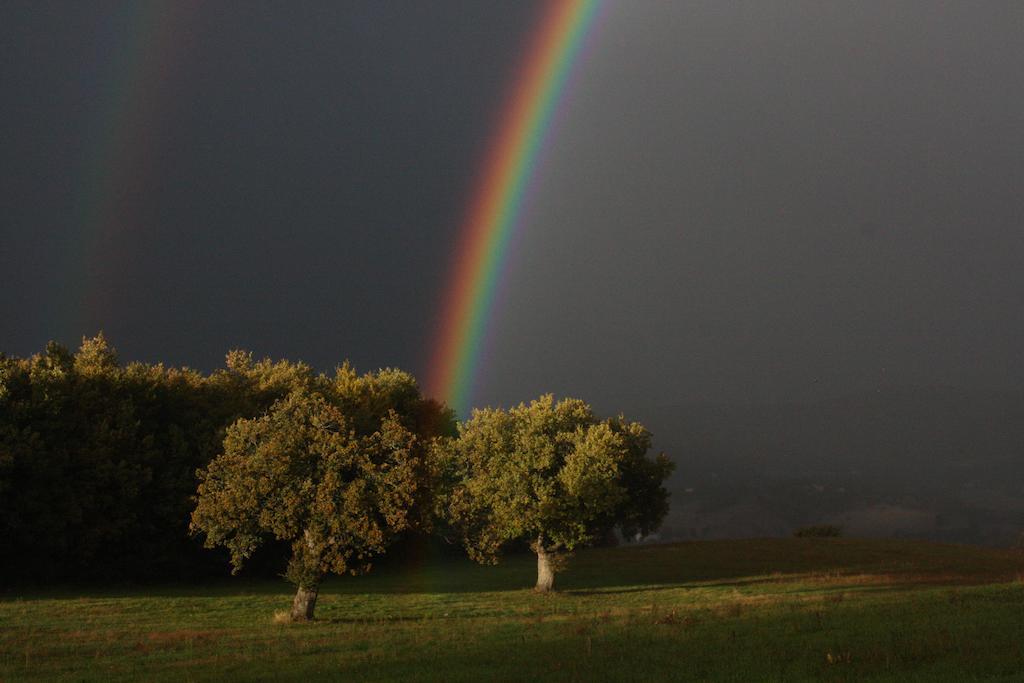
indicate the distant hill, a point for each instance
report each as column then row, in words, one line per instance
column 927, row 462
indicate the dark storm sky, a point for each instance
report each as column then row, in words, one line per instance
column 756, row 201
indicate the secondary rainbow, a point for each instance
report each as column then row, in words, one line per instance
column 495, row 210
column 142, row 47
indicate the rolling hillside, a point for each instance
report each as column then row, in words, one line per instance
column 794, row 609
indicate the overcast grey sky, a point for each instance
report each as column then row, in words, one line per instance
column 742, row 201
column 779, row 200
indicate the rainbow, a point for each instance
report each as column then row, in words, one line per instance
column 495, row 210
column 144, row 48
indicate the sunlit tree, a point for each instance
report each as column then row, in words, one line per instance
column 549, row 473
column 337, row 473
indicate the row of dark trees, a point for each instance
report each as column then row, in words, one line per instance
column 99, row 466
column 98, row 460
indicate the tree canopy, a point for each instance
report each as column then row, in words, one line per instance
column 337, row 472
column 98, row 458
column 100, row 462
column 552, row 474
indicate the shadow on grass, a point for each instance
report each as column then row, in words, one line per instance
column 672, row 586
column 711, row 563
column 629, row 569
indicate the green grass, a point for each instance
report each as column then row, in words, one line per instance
column 794, row 609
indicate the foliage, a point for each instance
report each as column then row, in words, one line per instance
column 549, row 473
column 97, row 463
column 98, row 460
column 645, row 502
column 304, row 473
column 819, row 531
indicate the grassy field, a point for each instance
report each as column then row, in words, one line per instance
column 792, row 609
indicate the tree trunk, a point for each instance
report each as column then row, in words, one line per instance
column 304, row 603
column 545, row 572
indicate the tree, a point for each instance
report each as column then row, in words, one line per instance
column 645, row 503
column 551, row 474
column 304, row 474
column 98, row 459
